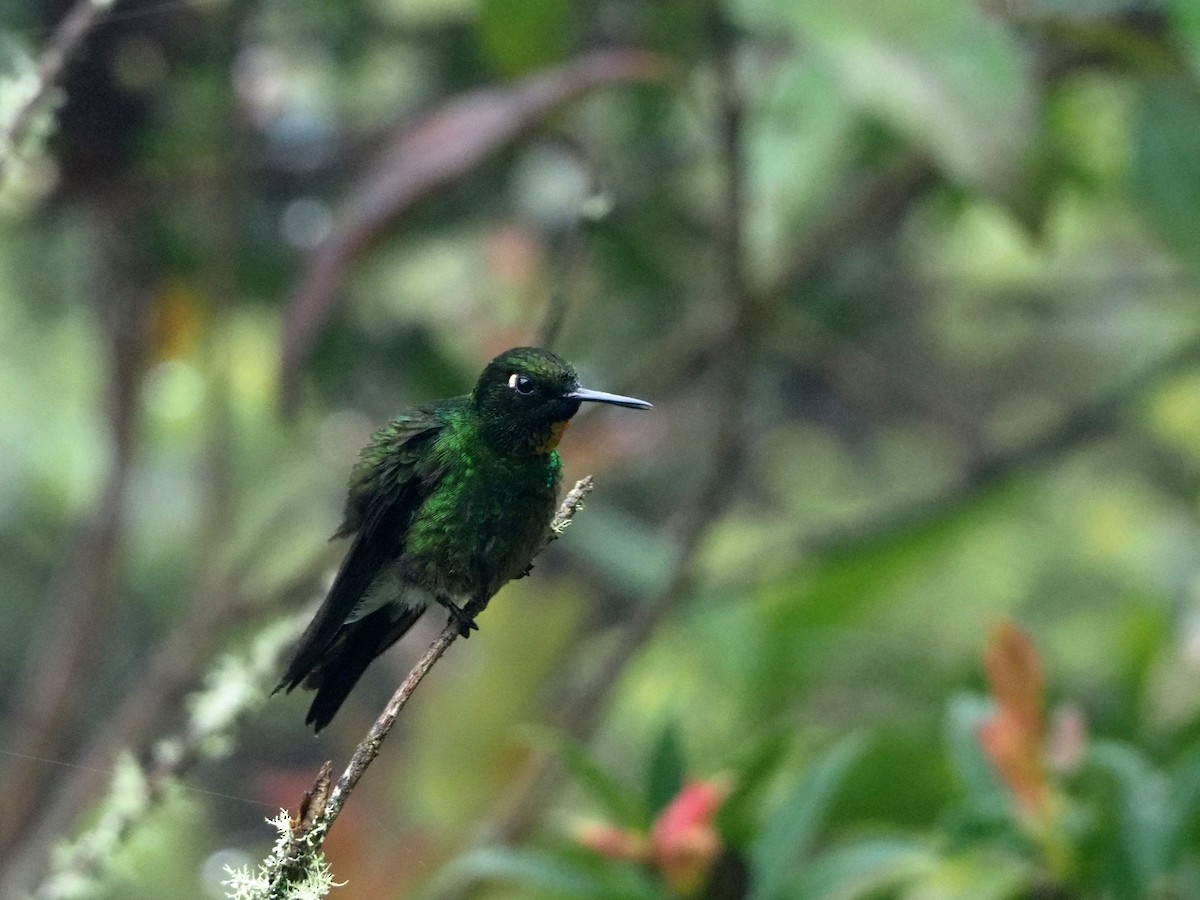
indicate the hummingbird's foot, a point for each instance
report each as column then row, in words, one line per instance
column 458, row 615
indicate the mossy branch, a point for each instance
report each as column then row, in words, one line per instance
column 234, row 690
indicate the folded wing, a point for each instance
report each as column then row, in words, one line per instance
column 393, row 477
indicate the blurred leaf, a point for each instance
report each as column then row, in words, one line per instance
column 986, row 809
column 965, row 715
column 787, row 836
column 1185, row 16
column 960, row 90
column 544, row 872
column 518, row 35
column 428, row 154
column 1185, row 799
column 1012, row 737
column 1014, row 673
column 912, row 747
column 665, row 773
column 854, row 569
column 978, row 875
column 617, row 801
column 860, row 869
column 856, row 572
column 1166, row 164
column 738, row 817
column 1144, row 813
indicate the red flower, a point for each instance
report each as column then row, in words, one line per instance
column 683, row 842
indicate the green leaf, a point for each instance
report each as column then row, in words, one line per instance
column 737, row 819
column 1185, row 800
column 1185, row 17
column 863, row 867
column 544, row 872
column 965, row 713
column 791, row 831
column 615, row 800
column 664, row 778
column 1166, row 165
column 985, row 809
column 519, row 35
column 1144, row 809
column 961, row 89
column 979, row 874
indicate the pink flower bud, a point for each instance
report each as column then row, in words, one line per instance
column 683, row 840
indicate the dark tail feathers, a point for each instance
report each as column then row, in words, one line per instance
column 343, row 662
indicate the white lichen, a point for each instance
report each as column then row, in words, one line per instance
column 19, row 85
column 77, row 865
column 234, row 686
column 309, row 876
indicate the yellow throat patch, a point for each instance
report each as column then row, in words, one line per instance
column 554, row 436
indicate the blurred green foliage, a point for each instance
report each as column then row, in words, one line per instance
column 969, row 232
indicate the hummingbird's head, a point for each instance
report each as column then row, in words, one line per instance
column 526, row 396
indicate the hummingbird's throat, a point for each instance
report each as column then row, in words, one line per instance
column 553, row 437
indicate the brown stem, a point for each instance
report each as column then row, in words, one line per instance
column 568, row 278
column 70, row 637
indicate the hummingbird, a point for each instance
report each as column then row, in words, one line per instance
column 447, row 503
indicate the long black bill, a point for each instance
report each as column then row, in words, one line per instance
column 602, row 397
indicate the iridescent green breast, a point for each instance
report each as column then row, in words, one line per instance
column 485, row 519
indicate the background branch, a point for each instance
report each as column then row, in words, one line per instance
column 1086, row 422
column 569, row 248
column 65, row 648
column 65, row 41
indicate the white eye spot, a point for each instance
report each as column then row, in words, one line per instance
column 522, row 384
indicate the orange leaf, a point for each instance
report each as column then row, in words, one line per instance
column 1013, row 737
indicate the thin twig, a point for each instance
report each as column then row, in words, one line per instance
column 571, row 252
column 368, row 748
column 571, row 266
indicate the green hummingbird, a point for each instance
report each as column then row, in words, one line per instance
column 447, row 503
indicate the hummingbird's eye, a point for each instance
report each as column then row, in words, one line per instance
column 522, row 384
